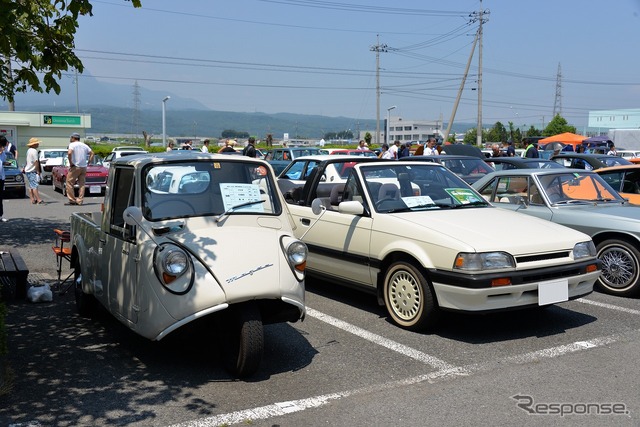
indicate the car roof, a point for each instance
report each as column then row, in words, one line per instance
column 142, row 159
column 128, row 149
column 619, row 168
column 443, row 157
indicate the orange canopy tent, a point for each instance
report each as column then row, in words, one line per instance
column 566, row 138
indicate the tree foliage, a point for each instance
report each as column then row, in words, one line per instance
column 37, row 43
column 558, row 125
column 234, row 134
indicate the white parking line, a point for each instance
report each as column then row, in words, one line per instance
column 384, row 342
column 445, row 370
column 609, row 306
column 283, row 408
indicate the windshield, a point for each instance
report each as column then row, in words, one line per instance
column 205, row 188
column 402, row 187
column 574, row 187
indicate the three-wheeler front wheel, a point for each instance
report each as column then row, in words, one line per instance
column 243, row 339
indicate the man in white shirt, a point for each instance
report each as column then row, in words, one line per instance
column 79, row 155
column 394, row 149
column 205, row 146
column 612, row 151
column 430, row 148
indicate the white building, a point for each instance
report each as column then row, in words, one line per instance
column 405, row 130
column 615, row 119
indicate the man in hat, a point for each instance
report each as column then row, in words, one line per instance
column 32, row 171
column 79, row 155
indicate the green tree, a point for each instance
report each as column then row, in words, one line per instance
column 470, row 136
column 368, row 137
column 38, row 38
column 558, row 125
column 498, row 133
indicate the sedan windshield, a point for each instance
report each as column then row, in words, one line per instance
column 573, row 187
column 402, row 187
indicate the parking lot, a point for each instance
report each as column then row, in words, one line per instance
column 573, row 364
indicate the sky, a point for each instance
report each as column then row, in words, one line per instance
column 319, row 57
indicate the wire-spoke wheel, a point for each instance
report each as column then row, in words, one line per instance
column 620, row 268
column 408, row 297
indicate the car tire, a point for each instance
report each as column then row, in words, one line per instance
column 63, row 189
column 85, row 303
column 409, row 298
column 243, row 339
column 620, row 268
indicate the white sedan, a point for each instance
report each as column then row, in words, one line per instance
column 416, row 235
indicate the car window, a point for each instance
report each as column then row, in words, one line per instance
column 614, row 179
column 510, row 189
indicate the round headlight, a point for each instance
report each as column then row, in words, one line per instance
column 297, row 254
column 175, row 262
column 19, row 178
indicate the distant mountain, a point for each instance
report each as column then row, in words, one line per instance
column 186, row 118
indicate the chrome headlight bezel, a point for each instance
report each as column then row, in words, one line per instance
column 296, row 253
column 584, row 250
column 172, row 265
column 483, row 261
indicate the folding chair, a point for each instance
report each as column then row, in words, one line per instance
column 62, row 253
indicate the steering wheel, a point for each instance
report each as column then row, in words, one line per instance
column 380, row 202
column 174, row 201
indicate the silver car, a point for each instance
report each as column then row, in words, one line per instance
column 581, row 200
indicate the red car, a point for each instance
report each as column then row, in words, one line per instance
column 95, row 181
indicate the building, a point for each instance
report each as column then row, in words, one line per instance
column 408, row 130
column 615, row 119
column 53, row 129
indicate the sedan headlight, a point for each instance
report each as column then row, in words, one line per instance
column 584, row 250
column 483, row 261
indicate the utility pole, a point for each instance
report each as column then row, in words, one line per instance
column 557, row 103
column 480, row 17
column 377, row 49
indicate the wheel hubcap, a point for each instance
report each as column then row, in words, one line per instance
column 618, row 268
column 404, row 295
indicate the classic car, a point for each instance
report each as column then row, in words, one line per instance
column 581, row 200
column 588, row 161
column 14, row 180
column 344, row 152
column 122, row 152
column 292, row 180
column 505, row 163
column 279, row 158
column 469, row 168
column 95, row 180
column 160, row 256
column 50, row 157
column 408, row 232
column 624, row 179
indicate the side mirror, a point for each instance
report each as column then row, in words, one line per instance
column 317, row 206
column 132, row 215
column 351, row 208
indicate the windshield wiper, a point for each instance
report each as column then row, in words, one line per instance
column 570, row 202
column 232, row 209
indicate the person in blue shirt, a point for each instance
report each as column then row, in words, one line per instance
column 3, row 156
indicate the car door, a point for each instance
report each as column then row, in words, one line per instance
column 120, row 268
column 339, row 243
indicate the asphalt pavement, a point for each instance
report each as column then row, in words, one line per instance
column 345, row 365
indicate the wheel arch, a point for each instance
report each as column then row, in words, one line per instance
column 389, row 259
column 607, row 235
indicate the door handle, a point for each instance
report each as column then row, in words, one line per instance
column 305, row 221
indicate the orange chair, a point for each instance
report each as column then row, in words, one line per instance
column 62, row 253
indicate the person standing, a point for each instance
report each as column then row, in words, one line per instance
column 385, row 153
column 170, row 146
column 430, row 147
column 394, row 149
column 404, row 150
column 250, row 149
column 11, row 148
column 32, row 171
column 362, row 145
column 495, row 150
column 532, row 151
column 79, row 155
column 511, row 152
column 205, row 146
column 612, row 151
column 4, row 149
column 228, row 147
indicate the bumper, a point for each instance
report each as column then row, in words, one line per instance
column 519, row 294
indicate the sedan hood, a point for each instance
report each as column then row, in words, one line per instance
column 491, row 229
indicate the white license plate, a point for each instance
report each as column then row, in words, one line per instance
column 553, row 291
column 95, row 189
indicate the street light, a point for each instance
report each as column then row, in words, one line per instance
column 386, row 133
column 164, row 121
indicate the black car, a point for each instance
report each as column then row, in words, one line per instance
column 14, row 182
column 505, row 163
column 588, row 161
column 469, row 168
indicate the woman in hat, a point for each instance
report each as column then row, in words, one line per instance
column 32, row 171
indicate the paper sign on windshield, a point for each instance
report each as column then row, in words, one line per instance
column 237, row 194
column 463, row 195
